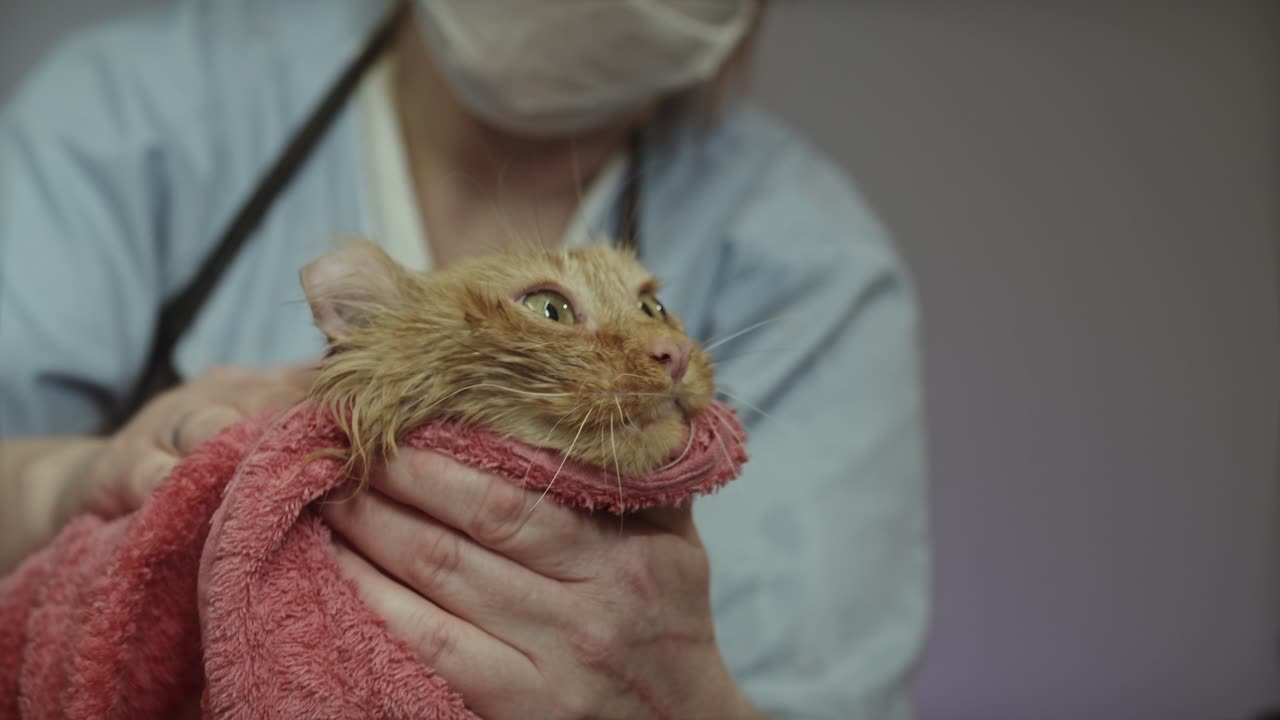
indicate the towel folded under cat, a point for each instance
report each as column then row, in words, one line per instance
column 223, row 590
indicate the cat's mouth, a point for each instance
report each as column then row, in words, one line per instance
column 667, row 438
column 710, row 453
column 659, row 408
column 635, row 424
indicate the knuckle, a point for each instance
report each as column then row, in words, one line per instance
column 142, row 472
column 111, row 469
column 157, row 412
column 594, row 641
column 576, row 702
column 433, row 641
column 147, row 480
column 500, row 514
column 435, row 560
column 200, row 424
column 637, row 577
column 410, row 468
column 421, row 463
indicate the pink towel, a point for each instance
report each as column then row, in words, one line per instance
column 106, row 622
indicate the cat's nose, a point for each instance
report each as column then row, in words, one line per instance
column 672, row 355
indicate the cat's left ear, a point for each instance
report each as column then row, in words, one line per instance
column 347, row 287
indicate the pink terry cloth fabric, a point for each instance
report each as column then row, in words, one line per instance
column 221, row 597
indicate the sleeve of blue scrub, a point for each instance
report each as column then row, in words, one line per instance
column 822, row 602
column 81, row 199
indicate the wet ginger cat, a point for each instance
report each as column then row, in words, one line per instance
column 570, row 351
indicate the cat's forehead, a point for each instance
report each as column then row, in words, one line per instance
column 599, row 273
column 605, row 268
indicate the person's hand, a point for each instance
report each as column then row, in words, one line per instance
column 114, row 479
column 547, row 614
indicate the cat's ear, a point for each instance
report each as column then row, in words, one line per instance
column 346, row 287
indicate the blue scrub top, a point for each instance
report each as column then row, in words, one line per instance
column 125, row 154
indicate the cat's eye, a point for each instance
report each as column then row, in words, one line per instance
column 550, row 305
column 652, row 307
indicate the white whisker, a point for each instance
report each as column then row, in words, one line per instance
column 414, row 405
column 622, row 375
column 531, row 347
column 713, row 344
column 622, row 415
column 562, row 462
column 735, row 398
column 529, row 393
column 617, row 470
column 513, row 390
column 545, row 439
column 687, row 445
column 720, row 412
column 735, row 356
column 712, row 428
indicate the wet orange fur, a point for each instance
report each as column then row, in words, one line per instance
column 455, row 343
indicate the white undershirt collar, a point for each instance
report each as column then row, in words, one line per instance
column 390, row 206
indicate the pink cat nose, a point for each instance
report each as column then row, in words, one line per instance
column 672, row 355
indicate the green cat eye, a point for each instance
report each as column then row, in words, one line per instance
column 550, row 305
column 652, row 307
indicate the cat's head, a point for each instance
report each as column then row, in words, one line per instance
column 570, row 351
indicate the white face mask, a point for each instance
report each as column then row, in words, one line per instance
column 548, row 67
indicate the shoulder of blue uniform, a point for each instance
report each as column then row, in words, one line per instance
column 176, row 66
column 163, row 118
column 120, row 76
column 800, row 213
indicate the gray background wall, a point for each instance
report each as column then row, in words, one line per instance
column 1089, row 197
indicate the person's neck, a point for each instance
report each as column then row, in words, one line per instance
column 478, row 186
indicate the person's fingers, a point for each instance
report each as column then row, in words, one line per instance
column 486, row 589
column 299, row 375
column 147, row 469
column 139, row 455
column 490, row 510
column 275, row 396
column 194, row 427
column 475, row 663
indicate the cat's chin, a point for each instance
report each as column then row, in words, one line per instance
column 638, row 449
